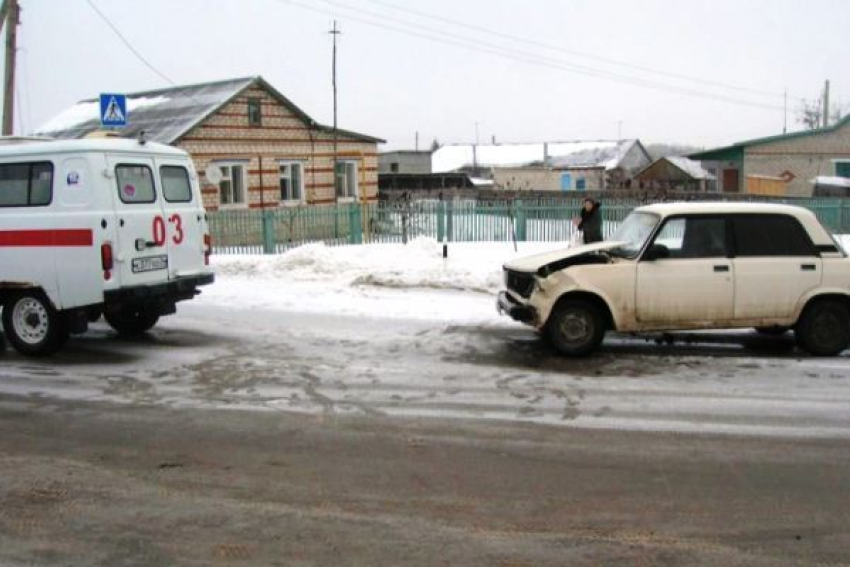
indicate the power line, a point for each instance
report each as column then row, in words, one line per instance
column 592, row 56
column 127, row 43
column 526, row 57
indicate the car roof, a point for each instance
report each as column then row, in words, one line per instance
column 103, row 145
column 724, row 207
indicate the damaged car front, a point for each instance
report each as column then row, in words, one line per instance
column 534, row 284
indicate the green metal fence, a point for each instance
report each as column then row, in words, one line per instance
column 273, row 231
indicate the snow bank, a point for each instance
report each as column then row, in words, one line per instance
column 473, row 267
column 375, row 280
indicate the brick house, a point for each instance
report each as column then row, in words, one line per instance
column 263, row 149
column 796, row 158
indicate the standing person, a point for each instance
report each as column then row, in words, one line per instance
column 591, row 221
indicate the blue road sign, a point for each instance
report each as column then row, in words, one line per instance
column 113, row 110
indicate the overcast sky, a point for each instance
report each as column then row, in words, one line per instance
column 520, row 71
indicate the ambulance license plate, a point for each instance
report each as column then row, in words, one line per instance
column 150, row 264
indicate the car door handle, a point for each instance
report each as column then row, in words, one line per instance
column 808, row 267
column 721, row 268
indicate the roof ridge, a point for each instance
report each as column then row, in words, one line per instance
column 180, row 87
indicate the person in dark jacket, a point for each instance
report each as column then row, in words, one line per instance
column 591, row 221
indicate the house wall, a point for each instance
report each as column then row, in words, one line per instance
column 227, row 136
column 546, row 179
column 799, row 159
column 407, row 162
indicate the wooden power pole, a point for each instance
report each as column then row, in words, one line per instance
column 10, row 16
column 335, row 32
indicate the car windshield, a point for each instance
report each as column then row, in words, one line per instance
column 634, row 231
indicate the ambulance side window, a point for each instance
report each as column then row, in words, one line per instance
column 26, row 184
column 135, row 183
column 176, row 186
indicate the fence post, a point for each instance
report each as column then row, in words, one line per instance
column 520, row 221
column 268, row 232
column 355, row 234
column 450, row 221
column 441, row 221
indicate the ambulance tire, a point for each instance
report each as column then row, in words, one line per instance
column 131, row 321
column 33, row 326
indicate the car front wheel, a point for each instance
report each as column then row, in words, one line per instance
column 575, row 328
column 33, row 326
column 824, row 328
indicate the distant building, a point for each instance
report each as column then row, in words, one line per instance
column 796, row 158
column 549, row 166
column 267, row 151
column 404, row 161
column 676, row 174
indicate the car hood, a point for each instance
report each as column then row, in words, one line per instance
column 533, row 263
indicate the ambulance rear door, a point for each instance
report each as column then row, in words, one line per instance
column 184, row 216
column 142, row 247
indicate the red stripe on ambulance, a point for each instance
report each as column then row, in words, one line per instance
column 59, row 237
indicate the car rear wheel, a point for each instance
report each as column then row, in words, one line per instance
column 575, row 328
column 131, row 321
column 824, row 328
column 33, row 326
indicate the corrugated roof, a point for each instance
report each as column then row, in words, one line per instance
column 598, row 153
column 167, row 114
column 713, row 153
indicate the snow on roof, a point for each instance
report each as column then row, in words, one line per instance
column 834, row 181
column 601, row 153
column 691, row 167
column 164, row 115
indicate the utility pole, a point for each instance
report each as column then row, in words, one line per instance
column 9, row 15
column 335, row 32
column 826, row 104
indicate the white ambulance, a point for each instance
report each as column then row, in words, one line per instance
column 92, row 227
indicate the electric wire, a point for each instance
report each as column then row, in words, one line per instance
column 530, row 58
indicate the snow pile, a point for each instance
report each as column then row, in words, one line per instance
column 419, row 264
column 372, row 280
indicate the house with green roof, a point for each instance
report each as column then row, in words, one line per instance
column 796, row 158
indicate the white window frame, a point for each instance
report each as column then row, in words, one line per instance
column 228, row 177
column 348, row 196
column 291, row 163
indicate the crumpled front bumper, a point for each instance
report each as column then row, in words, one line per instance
column 505, row 304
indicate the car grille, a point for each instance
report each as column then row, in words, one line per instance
column 520, row 283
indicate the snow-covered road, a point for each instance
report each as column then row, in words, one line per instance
column 309, row 332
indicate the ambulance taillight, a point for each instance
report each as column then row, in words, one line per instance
column 106, row 260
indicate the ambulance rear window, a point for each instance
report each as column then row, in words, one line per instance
column 135, row 183
column 176, row 186
column 26, row 184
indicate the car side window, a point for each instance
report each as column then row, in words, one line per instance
column 694, row 237
column 770, row 235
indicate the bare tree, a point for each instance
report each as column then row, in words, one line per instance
column 810, row 114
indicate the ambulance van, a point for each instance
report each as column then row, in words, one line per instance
column 96, row 227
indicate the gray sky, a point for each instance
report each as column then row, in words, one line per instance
column 523, row 71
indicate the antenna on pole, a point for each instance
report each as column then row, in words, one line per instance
column 335, row 32
column 785, row 112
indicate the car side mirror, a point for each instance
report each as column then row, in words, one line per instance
column 656, row 252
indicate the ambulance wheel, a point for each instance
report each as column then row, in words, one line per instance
column 132, row 320
column 33, row 326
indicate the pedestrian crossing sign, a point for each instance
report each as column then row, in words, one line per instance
column 113, row 110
